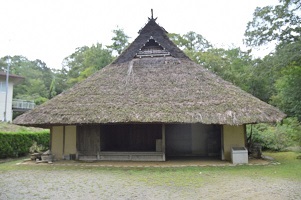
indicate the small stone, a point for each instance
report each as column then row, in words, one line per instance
column 267, row 158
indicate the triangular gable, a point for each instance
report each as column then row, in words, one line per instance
column 151, row 32
column 152, row 48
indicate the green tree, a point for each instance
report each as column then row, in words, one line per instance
column 190, row 41
column 120, row 41
column 280, row 23
column 60, row 76
column 279, row 70
column 288, row 96
column 52, row 90
column 260, row 81
column 84, row 62
column 37, row 75
column 272, row 67
column 285, row 55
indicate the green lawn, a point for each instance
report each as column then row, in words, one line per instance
column 288, row 169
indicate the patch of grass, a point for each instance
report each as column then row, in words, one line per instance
column 9, row 164
column 286, row 166
column 289, row 169
column 290, row 165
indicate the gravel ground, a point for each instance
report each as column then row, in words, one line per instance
column 85, row 184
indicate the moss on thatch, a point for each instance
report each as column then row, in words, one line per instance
column 170, row 89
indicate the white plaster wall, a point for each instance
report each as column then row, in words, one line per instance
column 70, row 140
column 9, row 111
column 57, row 139
column 233, row 136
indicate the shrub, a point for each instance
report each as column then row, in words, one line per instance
column 19, row 143
column 277, row 136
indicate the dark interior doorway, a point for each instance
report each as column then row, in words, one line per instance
column 193, row 140
column 130, row 137
column 178, row 139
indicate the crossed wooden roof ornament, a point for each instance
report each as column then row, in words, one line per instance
column 152, row 17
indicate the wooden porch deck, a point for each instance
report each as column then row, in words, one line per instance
column 122, row 156
column 150, row 159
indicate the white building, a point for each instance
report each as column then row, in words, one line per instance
column 13, row 79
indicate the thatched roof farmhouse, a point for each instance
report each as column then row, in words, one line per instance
column 152, row 102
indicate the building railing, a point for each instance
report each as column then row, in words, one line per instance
column 23, row 104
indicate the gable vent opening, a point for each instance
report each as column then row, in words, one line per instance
column 152, row 49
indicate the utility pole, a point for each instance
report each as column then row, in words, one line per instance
column 6, row 95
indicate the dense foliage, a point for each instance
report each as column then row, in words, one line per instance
column 120, row 41
column 277, row 136
column 17, row 144
column 36, row 86
column 279, row 24
column 84, row 62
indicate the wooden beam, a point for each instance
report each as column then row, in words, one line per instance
column 163, row 141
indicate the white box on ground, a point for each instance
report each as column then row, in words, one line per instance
column 239, row 155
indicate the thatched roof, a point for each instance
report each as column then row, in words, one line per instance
column 146, row 87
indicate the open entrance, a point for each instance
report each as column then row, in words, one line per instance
column 130, row 137
column 193, row 140
column 148, row 142
column 120, row 142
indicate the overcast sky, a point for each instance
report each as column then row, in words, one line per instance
column 50, row 30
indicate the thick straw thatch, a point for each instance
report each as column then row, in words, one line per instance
column 170, row 89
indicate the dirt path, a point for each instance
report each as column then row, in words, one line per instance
column 118, row 184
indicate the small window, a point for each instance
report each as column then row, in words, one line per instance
column 2, row 86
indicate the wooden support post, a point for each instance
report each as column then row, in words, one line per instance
column 163, row 141
column 77, row 144
column 64, row 140
column 222, row 143
column 245, row 135
column 50, row 141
